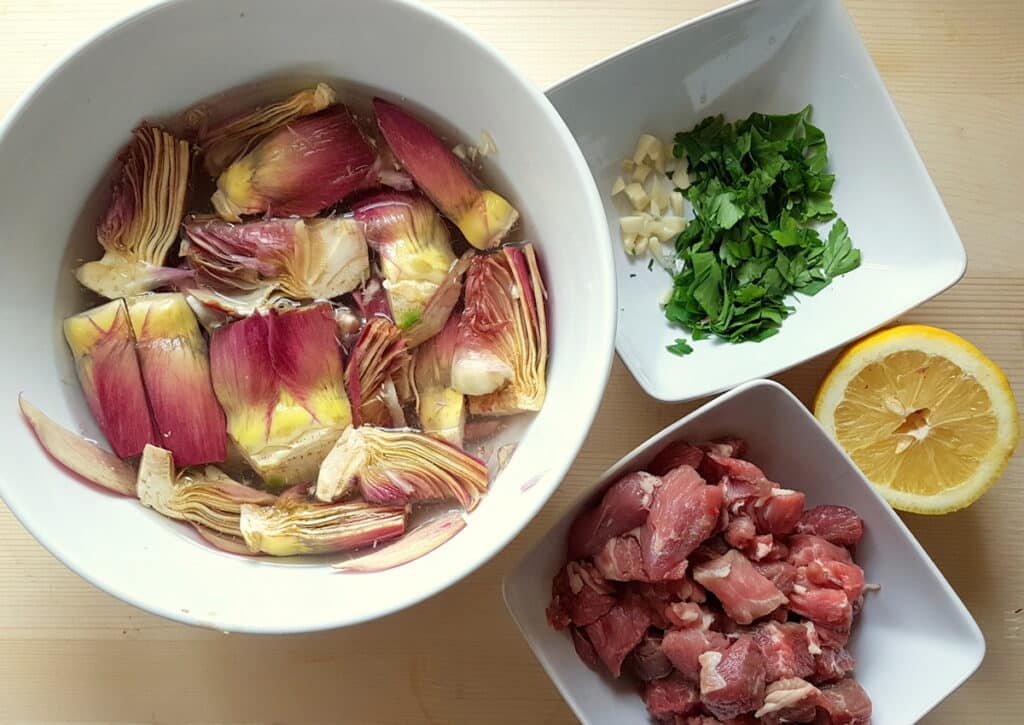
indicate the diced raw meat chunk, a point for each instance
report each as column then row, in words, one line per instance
column 837, row 574
column 831, row 636
column 647, row 662
column 791, row 699
column 779, row 513
column 786, row 649
column 825, row 606
column 580, row 595
column 740, row 532
column 685, row 646
column 683, row 513
column 670, row 696
column 780, row 573
column 832, row 664
column 623, row 507
column 733, row 682
column 838, row 524
column 710, row 549
column 744, row 593
column 845, row 703
column 585, row 650
column 714, row 467
column 679, row 453
column 621, row 560
column 615, row 634
column 726, row 447
column 688, row 614
column 805, row 548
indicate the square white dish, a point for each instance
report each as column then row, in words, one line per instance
column 915, row 618
column 771, row 57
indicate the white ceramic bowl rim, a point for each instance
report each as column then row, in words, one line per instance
column 571, row 440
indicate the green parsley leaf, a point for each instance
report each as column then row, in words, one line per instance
column 679, row 347
column 756, row 186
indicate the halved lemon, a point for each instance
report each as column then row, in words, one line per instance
column 924, row 414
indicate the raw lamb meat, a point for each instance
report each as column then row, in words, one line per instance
column 713, row 588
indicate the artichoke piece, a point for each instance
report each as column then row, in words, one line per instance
column 441, row 408
column 278, row 376
column 207, row 498
column 141, row 223
column 398, row 467
column 176, row 372
column 296, row 526
column 300, row 169
column 80, row 456
column 419, row 542
column 222, row 143
column 103, row 345
column 378, row 355
column 483, row 217
column 414, row 248
column 501, row 354
column 301, row 259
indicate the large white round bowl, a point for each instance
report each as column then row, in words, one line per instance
column 56, row 149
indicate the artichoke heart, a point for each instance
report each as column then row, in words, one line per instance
column 296, row 526
column 415, row 251
column 222, row 143
column 176, row 372
column 378, row 356
column 208, row 498
column 441, row 408
column 301, row 259
column 278, row 376
column 103, row 345
column 398, row 467
column 141, row 223
column 299, row 169
column 483, row 217
column 501, row 353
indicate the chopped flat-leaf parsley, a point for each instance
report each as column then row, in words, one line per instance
column 679, row 347
column 758, row 187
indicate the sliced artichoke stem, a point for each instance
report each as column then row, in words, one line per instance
column 223, row 142
column 103, row 345
column 141, row 222
column 483, row 217
column 400, row 466
column 80, row 456
column 294, row 527
column 207, row 498
column 417, row 543
column 299, row 169
column 442, row 412
column 441, row 408
column 278, row 376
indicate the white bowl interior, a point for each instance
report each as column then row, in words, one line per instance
column 773, row 57
column 57, row 149
column 915, row 618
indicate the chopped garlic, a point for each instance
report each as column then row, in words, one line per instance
column 640, row 172
column 637, row 196
column 641, row 246
column 675, row 200
column 619, row 186
column 632, row 224
column 646, row 148
column 666, row 296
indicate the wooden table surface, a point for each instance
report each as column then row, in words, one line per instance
column 69, row 652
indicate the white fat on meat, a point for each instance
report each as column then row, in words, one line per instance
column 710, row 680
column 788, row 692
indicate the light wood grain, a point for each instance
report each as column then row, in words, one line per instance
column 956, row 69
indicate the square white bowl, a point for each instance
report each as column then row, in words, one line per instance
column 915, row 642
column 772, row 57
